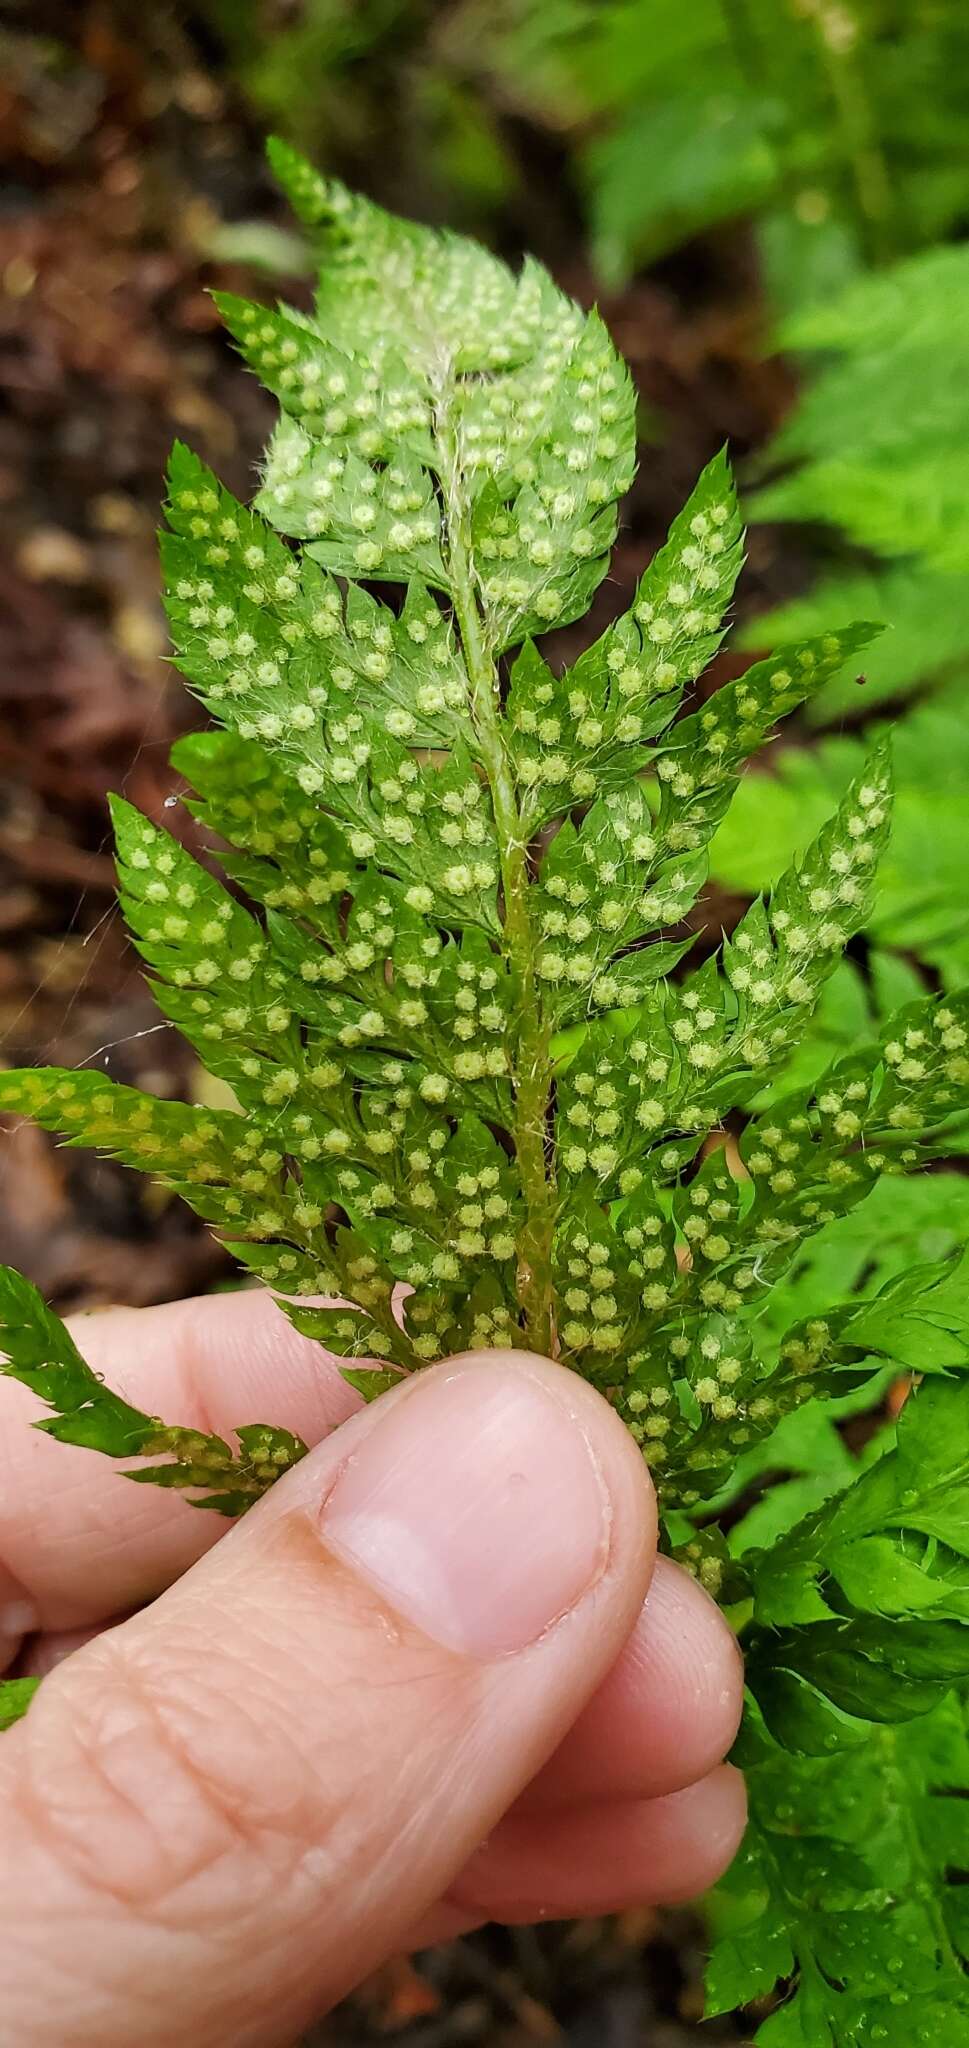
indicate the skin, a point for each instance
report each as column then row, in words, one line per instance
column 255, row 1771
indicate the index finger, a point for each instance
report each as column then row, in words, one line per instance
column 78, row 1542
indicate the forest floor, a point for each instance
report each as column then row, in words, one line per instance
column 123, row 160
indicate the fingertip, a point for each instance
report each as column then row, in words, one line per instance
column 705, row 1822
column 586, row 1861
column 684, row 1679
column 210, row 1351
column 667, row 1712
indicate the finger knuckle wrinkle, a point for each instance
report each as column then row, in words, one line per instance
column 137, row 1785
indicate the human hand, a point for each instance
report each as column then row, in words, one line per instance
column 436, row 1676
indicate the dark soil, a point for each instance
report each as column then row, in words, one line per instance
column 122, row 153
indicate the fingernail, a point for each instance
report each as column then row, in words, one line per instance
column 18, row 1613
column 476, row 1506
column 18, row 1618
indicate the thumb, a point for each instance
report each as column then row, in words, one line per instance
column 219, row 1816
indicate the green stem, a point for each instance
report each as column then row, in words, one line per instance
column 532, row 1078
column 858, row 133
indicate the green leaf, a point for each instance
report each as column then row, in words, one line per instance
column 40, row 1352
column 848, row 1887
column 573, row 736
column 920, row 904
column 669, row 169
column 921, row 1320
column 15, row 1697
column 879, row 434
column 901, row 1224
column 927, row 639
column 856, row 1613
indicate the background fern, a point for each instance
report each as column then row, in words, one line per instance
column 918, row 907
column 838, row 128
column 874, row 452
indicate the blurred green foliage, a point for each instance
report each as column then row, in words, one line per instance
column 875, row 452
column 921, row 905
column 392, row 92
column 837, row 125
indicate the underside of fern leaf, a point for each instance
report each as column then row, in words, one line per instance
column 437, row 953
column 476, row 1097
